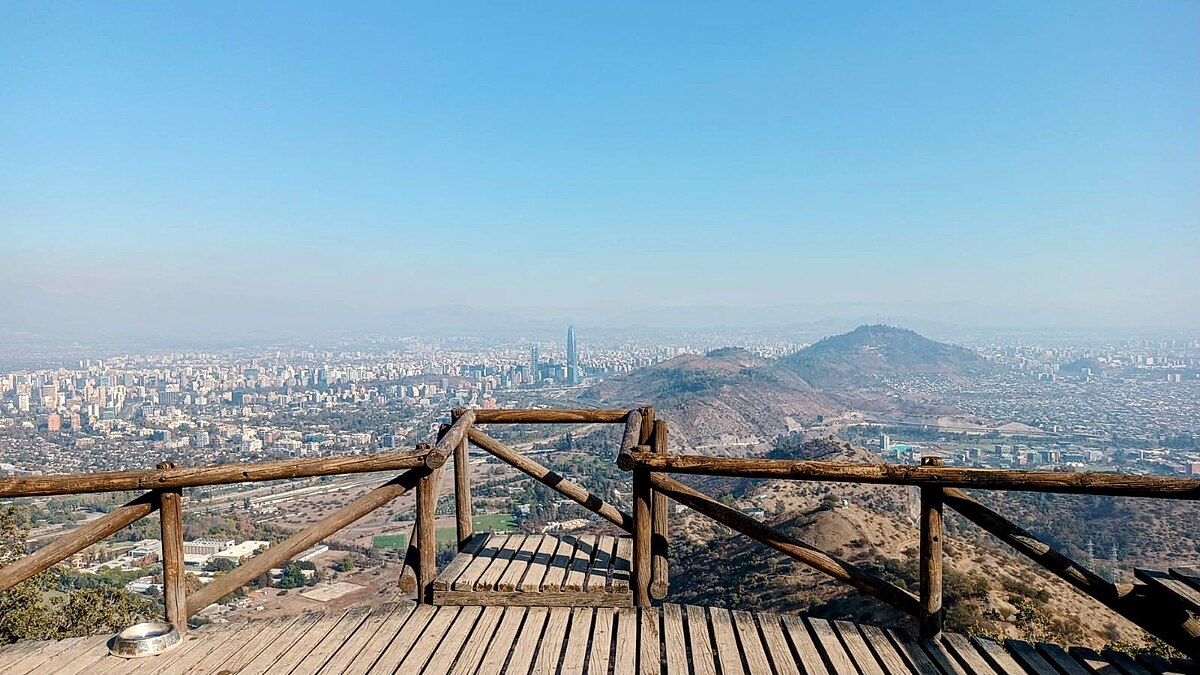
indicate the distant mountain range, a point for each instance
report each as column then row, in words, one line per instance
column 146, row 315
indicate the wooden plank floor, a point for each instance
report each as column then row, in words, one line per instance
column 538, row 570
column 401, row 638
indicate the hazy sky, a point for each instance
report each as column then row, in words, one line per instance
column 224, row 160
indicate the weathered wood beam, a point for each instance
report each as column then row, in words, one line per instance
column 463, row 508
column 170, row 513
column 561, row 416
column 279, row 554
column 988, row 479
column 412, row 553
column 1171, row 624
column 1035, row 549
column 631, row 440
column 74, row 541
column 449, row 439
column 553, row 480
column 643, row 495
column 930, row 619
column 428, row 490
column 408, row 570
column 164, row 479
column 633, row 431
column 647, row 414
column 659, row 578
column 814, row 557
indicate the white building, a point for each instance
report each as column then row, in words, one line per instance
column 206, row 546
column 239, row 552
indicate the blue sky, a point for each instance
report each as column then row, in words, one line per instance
column 598, row 156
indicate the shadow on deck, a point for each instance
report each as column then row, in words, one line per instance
column 403, row 638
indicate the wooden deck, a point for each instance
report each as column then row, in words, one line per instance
column 403, row 638
column 538, row 570
column 1179, row 586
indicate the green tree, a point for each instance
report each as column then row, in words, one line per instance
column 220, row 565
column 292, row 577
column 27, row 614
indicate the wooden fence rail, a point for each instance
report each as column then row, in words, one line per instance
column 1063, row 482
column 422, row 468
column 644, row 452
column 174, row 478
column 278, row 555
column 1172, row 624
column 841, row 570
column 580, row 416
column 939, row 486
column 80, row 538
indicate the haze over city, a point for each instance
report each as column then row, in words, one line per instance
column 224, row 170
column 535, row 337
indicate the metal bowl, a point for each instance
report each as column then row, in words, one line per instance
column 144, row 639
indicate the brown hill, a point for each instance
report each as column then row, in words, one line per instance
column 728, row 401
column 868, row 353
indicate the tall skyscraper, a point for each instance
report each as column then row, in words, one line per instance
column 533, row 365
column 572, row 358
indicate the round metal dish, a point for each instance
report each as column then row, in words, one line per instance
column 144, row 639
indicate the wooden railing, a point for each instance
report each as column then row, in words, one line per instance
column 643, row 453
column 650, row 529
column 940, row 486
column 164, row 486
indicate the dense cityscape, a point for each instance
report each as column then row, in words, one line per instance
column 1127, row 407
column 600, row 338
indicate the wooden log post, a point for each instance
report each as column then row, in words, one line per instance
column 279, row 554
column 632, row 438
column 647, row 430
column 426, row 568
column 642, row 538
column 841, row 570
column 76, row 540
column 416, row 556
column 659, row 578
column 408, row 571
column 463, row 511
column 170, row 513
column 931, row 557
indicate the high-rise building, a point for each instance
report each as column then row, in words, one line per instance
column 572, row 358
column 533, row 364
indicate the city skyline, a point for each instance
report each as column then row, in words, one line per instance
column 216, row 175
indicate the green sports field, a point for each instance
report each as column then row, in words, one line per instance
column 390, row 541
column 446, row 535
